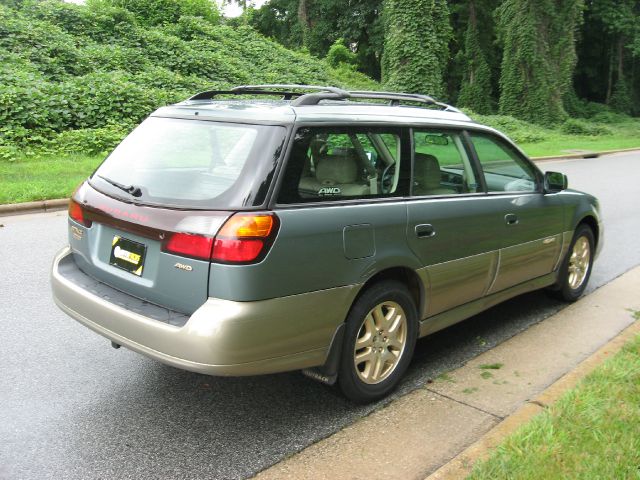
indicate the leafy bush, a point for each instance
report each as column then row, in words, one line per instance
column 580, row 127
column 518, row 130
column 610, row 117
column 68, row 69
column 339, row 54
column 158, row 12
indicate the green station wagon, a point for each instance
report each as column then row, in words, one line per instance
column 286, row 227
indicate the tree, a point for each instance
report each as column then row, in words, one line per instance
column 539, row 56
column 317, row 24
column 416, row 45
column 475, row 90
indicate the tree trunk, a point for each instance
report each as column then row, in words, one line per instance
column 303, row 20
column 621, row 58
column 473, row 21
column 610, row 79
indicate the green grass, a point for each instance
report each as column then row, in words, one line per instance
column 561, row 144
column 43, row 178
column 491, row 366
column 47, row 177
column 592, row 432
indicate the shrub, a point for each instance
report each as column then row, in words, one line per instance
column 79, row 76
column 580, row 127
column 518, row 130
column 339, row 54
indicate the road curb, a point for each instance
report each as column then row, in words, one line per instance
column 61, row 203
column 462, row 464
column 33, row 207
column 585, row 155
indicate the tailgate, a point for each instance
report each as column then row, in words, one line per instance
column 123, row 247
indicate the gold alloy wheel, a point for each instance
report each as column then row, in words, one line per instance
column 579, row 263
column 380, row 343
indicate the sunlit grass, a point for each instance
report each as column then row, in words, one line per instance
column 43, row 178
column 592, row 432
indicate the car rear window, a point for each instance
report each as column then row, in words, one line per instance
column 193, row 164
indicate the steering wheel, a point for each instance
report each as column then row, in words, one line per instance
column 386, row 181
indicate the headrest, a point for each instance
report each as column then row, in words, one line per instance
column 427, row 171
column 336, row 169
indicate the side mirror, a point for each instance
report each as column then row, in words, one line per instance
column 555, row 182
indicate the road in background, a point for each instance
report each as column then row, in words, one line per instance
column 74, row 408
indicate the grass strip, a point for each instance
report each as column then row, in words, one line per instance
column 593, row 431
column 47, row 177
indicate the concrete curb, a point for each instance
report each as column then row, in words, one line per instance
column 32, row 207
column 585, row 155
column 61, row 203
column 462, row 465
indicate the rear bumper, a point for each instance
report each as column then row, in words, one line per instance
column 222, row 337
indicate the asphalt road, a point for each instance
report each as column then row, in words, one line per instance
column 74, row 408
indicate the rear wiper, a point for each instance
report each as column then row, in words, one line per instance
column 130, row 189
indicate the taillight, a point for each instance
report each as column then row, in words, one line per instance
column 244, row 238
column 188, row 245
column 77, row 213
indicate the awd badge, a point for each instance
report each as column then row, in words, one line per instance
column 182, row 266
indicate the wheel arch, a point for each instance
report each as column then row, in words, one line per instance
column 327, row 373
column 405, row 275
column 592, row 223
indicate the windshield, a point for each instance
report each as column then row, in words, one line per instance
column 192, row 164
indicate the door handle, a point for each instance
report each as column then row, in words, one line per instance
column 511, row 219
column 425, row 230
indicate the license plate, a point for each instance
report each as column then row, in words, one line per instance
column 127, row 255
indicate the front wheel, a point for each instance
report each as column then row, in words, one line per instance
column 380, row 337
column 576, row 268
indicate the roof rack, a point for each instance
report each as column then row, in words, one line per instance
column 288, row 92
column 298, row 96
column 396, row 98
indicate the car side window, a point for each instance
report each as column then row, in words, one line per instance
column 504, row 169
column 441, row 165
column 342, row 163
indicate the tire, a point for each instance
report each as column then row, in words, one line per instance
column 385, row 323
column 576, row 268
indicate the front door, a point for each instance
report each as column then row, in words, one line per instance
column 451, row 224
column 531, row 221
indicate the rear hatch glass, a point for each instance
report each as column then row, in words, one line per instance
column 194, row 164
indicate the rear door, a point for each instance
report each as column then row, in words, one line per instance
column 341, row 205
column 451, row 221
column 531, row 222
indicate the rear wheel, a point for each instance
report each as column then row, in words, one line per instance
column 576, row 268
column 380, row 337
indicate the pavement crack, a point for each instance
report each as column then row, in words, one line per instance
column 498, row 417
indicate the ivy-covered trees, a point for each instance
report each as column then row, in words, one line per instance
column 475, row 90
column 416, row 45
column 539, row 57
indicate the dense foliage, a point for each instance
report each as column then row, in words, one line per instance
column 416, row 45
column 476, row 91
column 608, row 48
column 75, row 75
column 315, row 25
column 539, row 57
